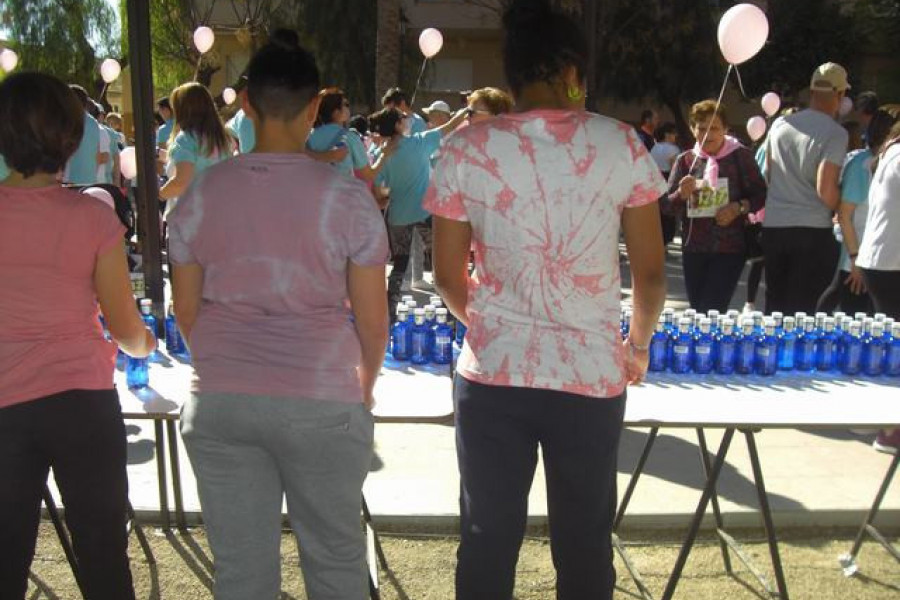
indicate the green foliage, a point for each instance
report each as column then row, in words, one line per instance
column 64, row 38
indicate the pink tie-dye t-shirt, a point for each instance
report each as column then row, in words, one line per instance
column 544, row 193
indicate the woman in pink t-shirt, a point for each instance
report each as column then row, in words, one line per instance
column 541, row 195
column 60, row 254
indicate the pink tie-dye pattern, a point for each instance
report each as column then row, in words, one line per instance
column 544, row 192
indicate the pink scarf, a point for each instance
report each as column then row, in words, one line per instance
column 711, row 173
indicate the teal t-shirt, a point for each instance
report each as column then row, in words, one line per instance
column 407, row 173
column 241, row 126
column 186, row 148
column 4, row 170
column 418, row 124
column 82, row 166
column 326, row 137
column 856, row 177
column 113, row 150
column 165, row 131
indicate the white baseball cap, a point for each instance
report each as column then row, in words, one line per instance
column 437, row 106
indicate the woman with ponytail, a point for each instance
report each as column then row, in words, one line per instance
column 541, row 195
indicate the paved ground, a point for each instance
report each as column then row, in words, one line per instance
column 813, row 478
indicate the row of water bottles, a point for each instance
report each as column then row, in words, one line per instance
column 756, row 344
column 137, row 370
column 428, row 336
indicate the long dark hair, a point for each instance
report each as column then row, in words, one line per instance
column 330, row 100
column 540, row 42
column 195, row 113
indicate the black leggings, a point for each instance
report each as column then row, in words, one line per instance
column 884, row 288
column 838, row 294
column 81, row 436
column 711, row 278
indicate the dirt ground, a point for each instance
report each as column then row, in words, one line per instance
column 421, row 568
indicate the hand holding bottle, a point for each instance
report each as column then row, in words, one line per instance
column 636, row 363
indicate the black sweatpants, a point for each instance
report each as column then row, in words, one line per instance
column 81, row 436
column 884, row 288
column 711, row 278
column 800, row 263
column 498, row 431
column 839, row 295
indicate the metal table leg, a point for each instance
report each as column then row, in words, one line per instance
column 698, row 515
column 159, row 438
column 632, row 483
column 766, row 514
column 63, row 536
column 139, row 532
column 374, row 552
column 717, row 513
column 848, row 561
column 172, row 433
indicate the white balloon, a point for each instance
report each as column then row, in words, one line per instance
column 128, row 163
column 846, row 106
column 743, row 31
column 430, row 42
column 756, row 127
column 110, row 70
column 771, row 102
column 204, row 38
column 229, row 95
column 8, row 60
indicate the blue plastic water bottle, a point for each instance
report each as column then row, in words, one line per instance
column 745, row 355
column 806, row 346
column 826, row 347
column 659, row 346
column 682, row 348
column 778, row 317
column 150, row 322
column 757, row 316
column 874, row 351
column 174, row 341
column 137, row 372
column 625, row 323
column 420, row 338
column 893, row 353
column 430, row 314
column 787, row 345
column 726, row 346
column 401, row 335
column 820, row 323
column 703, row 348
column 106, row 334
column 853, row 350
column 442, row 351
column 766, row 362
column 713, row 316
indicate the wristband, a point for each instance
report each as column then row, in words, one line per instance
column 638, row 347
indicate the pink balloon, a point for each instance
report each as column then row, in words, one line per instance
column 771, row 103
column 846, row 106
column 756, row 127
column 204, row 38
column 743, row 31
column 430, row 42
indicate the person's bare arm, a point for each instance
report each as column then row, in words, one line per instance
column 178, row 185
column 454, row 122
column 452, row 240
column 187, row 295
column 368, row 300
column 335, row 155
column 113, row 286
column 851, row 241
column 643, row 240
column 828, row 184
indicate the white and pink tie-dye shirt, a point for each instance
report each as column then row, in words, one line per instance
column 544, row 193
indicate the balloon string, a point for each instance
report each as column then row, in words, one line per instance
column 740, row 82
column 418, row 81
column 715, row 113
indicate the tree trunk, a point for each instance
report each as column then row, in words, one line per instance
column 387, row 47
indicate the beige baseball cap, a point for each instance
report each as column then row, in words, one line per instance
column 437, row 106
column 829, row 77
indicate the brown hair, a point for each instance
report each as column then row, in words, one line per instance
column 41, row 123
column 496, row 100
column 705, row 109
column 195, row 112
column 330, row 100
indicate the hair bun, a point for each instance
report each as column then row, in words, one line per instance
column 525, row 14
column 286, row 39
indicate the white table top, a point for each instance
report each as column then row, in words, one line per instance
column 411, row 393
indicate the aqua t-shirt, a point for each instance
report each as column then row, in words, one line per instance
column 241, row 126
column 186, row 148
column 165, row 131
column 326, row 137
column 418, row 124
column 407, row 173
column 4, row 170
column 82, row 166
column 855, row 180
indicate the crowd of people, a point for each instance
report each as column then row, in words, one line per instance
column 280, row 226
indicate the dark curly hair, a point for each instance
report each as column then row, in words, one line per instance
column 540, row 43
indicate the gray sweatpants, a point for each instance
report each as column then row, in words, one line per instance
column 248, row 452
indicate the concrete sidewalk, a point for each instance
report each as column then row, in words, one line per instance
column 813, row 479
